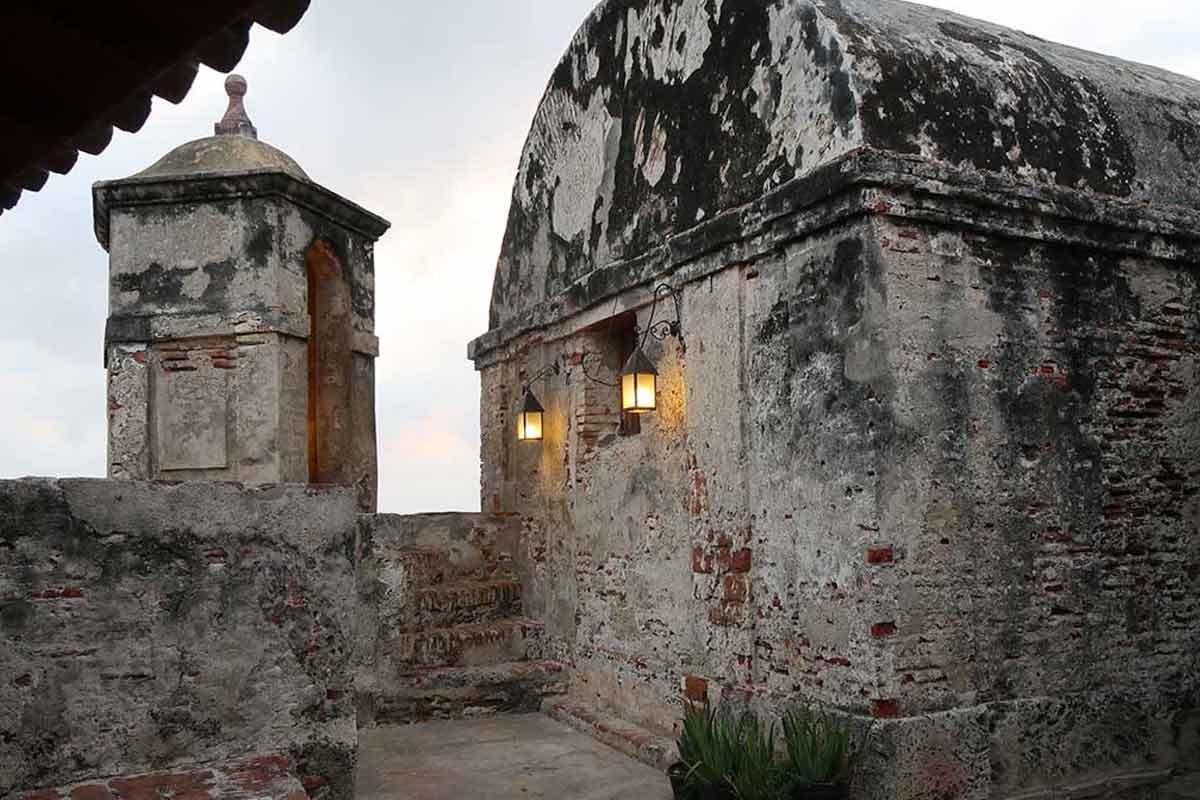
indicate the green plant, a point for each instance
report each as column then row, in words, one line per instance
column 758, row 775
column 729, row 757
column 817, row 747
column 709, row 746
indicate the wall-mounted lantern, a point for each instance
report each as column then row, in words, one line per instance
column 639, row 378
column 531, row 417
column 529, row 421
column 639, row 384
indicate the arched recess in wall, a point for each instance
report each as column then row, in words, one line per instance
column 330, row 364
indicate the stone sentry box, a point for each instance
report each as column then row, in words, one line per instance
column 931, row 457
column 240, row 340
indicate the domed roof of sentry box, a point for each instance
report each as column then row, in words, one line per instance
column 234, row 149
column 668, row 115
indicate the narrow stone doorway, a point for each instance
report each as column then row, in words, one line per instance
column 329, row 366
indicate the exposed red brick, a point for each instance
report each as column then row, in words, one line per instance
column 880, row 555
column 695, row 688
column 701, row 562
column 140, row 357
column 736, row 589
column 885, row 709
column 296, row 601
column 72, row 593
column 740, row 561
column 312, row 782
column 883, row 629
column 159, row 784
column 725, row 617
column 723, row 560
column 93, row 791
column 275, row 762
column 44, row 794
column 985, row 364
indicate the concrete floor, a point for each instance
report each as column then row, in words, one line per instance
column 500, row 758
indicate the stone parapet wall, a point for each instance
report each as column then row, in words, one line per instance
column 146, row 626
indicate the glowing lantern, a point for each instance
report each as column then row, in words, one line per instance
column 529, row 421
column 639, row 381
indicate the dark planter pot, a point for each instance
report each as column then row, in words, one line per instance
column 720, row 792
column 821, row 791
column 677, row 773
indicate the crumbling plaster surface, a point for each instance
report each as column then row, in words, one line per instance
column 148, row 625
column 926, row 455
column 665, row 113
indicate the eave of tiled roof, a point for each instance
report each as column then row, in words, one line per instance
column 72, row 72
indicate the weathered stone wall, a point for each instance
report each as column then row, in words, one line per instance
column 725, row 542
column 1041, row 502
column 144, row 626
column 941, row 479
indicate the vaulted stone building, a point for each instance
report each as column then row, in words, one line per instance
column 927, row 441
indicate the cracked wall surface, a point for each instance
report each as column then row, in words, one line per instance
column 923, row 452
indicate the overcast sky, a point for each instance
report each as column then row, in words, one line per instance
column 417, row 111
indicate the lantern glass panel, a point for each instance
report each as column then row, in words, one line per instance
column 646, row 390
column 638, row 392
column 529, row 426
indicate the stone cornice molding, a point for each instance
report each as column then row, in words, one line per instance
column 870, row 182
column 201, row 188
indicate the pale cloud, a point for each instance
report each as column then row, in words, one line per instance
column 417, row 111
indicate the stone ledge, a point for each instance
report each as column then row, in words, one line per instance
column 635, row 742
column 1115, row 786
column 203, row 188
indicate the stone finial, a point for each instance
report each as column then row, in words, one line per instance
column 235, row 122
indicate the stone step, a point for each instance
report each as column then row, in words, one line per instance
column 464, row 692
column 431, row 566
column 461, row 602
column 474, row 644
column 634, row 741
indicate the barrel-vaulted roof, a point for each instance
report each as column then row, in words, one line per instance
column 665, row 114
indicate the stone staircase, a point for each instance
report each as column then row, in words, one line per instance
column 450, row 640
